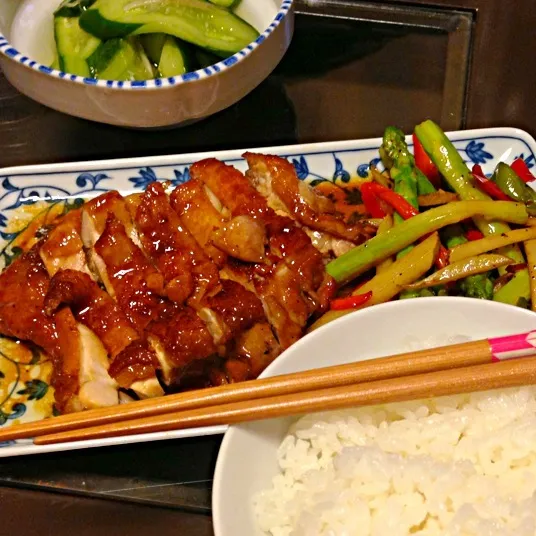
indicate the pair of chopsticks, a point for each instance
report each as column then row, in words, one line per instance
column 460, row 368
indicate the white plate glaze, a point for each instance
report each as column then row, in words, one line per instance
column 30, row 398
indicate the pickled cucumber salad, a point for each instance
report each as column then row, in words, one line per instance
column 145, row 39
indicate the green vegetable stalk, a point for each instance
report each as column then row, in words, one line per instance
column 474, row 286
column 513, row 186
column 458, row 176
column 401, row 165
column 363, row 257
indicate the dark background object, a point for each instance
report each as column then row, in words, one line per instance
column 353, row 68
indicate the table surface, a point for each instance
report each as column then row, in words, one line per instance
column 341, row 79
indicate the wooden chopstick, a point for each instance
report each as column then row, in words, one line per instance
column 509, row 373
column 415, row 362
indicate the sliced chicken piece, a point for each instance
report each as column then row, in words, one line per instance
column 23, row 287
column 243, row 238
column 293, row 245
column 328, row 244
column 257, row 347
column 133, row 278
column 231, row 188
column 81, row 379
column 92, row 307
column 95, row 215
column 188, row 272
column 200, row 216
column 276, row 177
column 261, row 280
column 286, row 240
column 183, row 335
column 236, row 370
column 80, row 363
column 66, row 366
column 63, row 248
column 136, row 363
column 231, row 311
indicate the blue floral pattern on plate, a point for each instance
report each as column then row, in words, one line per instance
column 45, row 189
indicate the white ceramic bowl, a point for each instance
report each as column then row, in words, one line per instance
column 247, row 458
column 26, row 49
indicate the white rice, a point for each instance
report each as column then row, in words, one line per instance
column 458, row 465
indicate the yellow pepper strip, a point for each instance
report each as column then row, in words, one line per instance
column 390, row 282
column 385, row 225
column 489, row 243
column 461, row 269
column 530, row 252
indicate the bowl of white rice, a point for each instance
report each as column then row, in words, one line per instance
column 449, row 466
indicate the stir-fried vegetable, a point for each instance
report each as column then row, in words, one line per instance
column 367, row 255
column 488, row 185
column 476, row 247
column 520, row 167
column 510, row 184
column 530, row 252
column 463, row 268
column 425, row 166
column 474, row 286
column 458, row 176
column 390, row 282
column 351, row 302
column 439, row 197
column 371, row 201
column 384, row 226
column 483, row 259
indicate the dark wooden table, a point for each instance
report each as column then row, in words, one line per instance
column 353, row 68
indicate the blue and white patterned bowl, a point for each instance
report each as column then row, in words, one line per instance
column 155, row 103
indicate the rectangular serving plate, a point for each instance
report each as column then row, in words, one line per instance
column 333, row 161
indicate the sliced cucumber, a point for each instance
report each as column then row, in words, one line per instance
column 74, row 45
column 120, row 59
column 153, row 44
column 195, row 21
column 174, row 60
column 170, row 56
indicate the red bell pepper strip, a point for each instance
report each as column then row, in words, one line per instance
column 442, row 258
column 522, row 170
column 425, row 164
column 370, row 200
column 350, row 302
column 473, row 234
column 487, row 186
column 405, row 209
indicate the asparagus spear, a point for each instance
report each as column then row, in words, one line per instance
column 457, row 174
column 401, row 165
column 400, row 162
column 394, row 152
